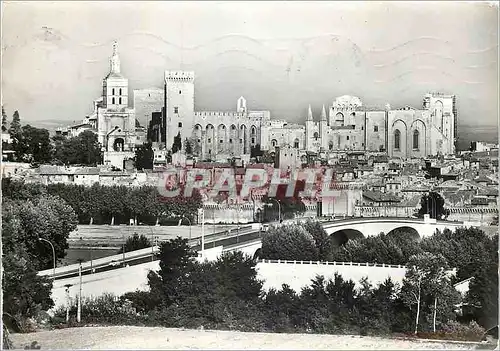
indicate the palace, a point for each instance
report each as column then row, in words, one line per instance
column 346, row 125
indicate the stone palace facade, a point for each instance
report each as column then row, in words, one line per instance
column 346, row 125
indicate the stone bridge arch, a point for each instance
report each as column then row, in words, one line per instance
column 341, row 237
column 404, row 232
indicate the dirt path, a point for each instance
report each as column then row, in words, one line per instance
column 166, row 338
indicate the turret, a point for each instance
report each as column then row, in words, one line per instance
column 309, row 114
column 323, row 129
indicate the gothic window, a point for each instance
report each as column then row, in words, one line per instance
column 176, row 109
column 253, row 140
column 415, row 139
column 233, row 127
column 397, row 139
column 330, row 145
column 296, row 144
column 113, row 100
column 316, row 135
column 375, row 128
column 180, row 124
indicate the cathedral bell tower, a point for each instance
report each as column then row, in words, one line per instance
column 115, row 85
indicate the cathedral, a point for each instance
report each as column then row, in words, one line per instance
column 346, row 125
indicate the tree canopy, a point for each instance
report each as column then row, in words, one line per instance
column 433, row 205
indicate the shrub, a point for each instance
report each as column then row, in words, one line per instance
column 458, row 331
column 105, row 309
column 289, row 242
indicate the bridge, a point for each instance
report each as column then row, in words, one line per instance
column 248, row 241
column 344, row 230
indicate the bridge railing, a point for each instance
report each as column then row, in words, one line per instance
column 327, row 263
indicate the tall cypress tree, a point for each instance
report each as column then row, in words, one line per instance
column 177, row 143
column 4, row 120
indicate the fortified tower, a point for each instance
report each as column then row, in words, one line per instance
column 179, row 105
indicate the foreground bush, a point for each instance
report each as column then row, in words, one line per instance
column 105, row 309
column 456, row 331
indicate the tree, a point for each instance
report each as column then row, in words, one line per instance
column 15, row 126
column 4, row 120
column 90, row 149
column 135, row 242
column 177, row 145
column 281, row 308
column 433, row 204
column 425, row 278
column 34, row 144
column 176, row 260
column 267, row 157
column 188, row 147
column 50, row 218
column 255, row 151
column 237, row 277
column 83, row 149
column 25, row 293
column 321, row 239
column 289, row 242
column 144, row 156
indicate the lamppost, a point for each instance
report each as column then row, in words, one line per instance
column 79, row 307
column 279, row 208
column 53, row 254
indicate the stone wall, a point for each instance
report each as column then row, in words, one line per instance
column 384, row 211
column 218, row 213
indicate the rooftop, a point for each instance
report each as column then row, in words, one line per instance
column 377, row 196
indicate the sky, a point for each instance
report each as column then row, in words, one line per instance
column 280, row 56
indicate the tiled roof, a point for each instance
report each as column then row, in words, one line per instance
column 54, row 170
column 479, row 201
column 380, row 197
column 87, row 171
column 380, row 159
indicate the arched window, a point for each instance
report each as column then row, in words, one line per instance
column 296, row 143
column 316, row 135
column 113, row 100
column 274, row 142
column 397, row 139
column 415, row 139
column 330, row 145
column 120, row 91
column 120, row 100
column 113, row 91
